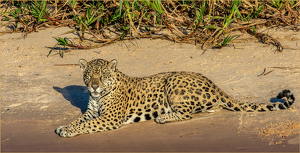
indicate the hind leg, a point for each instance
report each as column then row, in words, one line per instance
column 180, row 98
column 181, row 110
column 173, row 116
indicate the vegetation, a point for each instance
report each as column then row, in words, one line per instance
column 103, row 22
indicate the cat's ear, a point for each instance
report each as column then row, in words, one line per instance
column 83, row 64
column 112, row 65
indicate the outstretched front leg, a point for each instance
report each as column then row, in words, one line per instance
column 91, row 113
column 102, row 123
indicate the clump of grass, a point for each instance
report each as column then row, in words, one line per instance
column 193, row 22
column 225, row 41
column 65, row 42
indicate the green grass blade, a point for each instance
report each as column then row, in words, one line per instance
column 253, row 29
column 202, row 10
column 51, row 50
column 120, row 7
column 211, row 27
column 158, row 6
column 41, row 13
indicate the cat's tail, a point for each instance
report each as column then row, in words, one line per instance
column 251, row 107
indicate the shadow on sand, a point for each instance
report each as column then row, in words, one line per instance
column 77, row 95
column 275, row 100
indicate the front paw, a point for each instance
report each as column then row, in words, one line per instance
column 65, row 131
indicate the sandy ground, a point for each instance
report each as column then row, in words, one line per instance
column 37, row 96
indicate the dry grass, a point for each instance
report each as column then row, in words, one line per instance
column 195, row 22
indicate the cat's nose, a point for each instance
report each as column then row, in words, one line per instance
column 95, row 87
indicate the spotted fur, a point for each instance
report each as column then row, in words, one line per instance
column 117, row 99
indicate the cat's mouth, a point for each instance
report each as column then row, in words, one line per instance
column 96, row 94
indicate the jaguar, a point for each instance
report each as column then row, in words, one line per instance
column 116, row 99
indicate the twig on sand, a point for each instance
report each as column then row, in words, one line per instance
column 286, row 68
column 66, row 64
